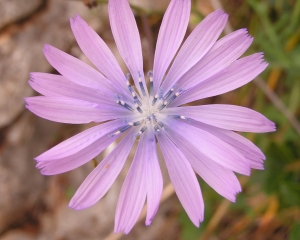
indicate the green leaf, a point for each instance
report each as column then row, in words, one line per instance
column 295, row 232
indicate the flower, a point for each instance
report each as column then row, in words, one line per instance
column 191, row 138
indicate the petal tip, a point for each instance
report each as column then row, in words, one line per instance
column 46, row 46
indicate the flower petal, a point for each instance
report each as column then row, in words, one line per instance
column 226, row 116
column 96, row 185
column 98, row 53
column 196, row 46
column 220, row 56
column 170, row 36
column 79, row 150
column 127, row 37
column 251, row 152
column 154, row 181
column 77, row 71
column 221, row 179
column 183, row 179
column 133, row 192
column 51, row 85
column 236, row 75
column 80, row 141
column 211, row 146
column 68, row 110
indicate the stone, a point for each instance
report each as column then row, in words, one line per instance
column 21, row 52
column 15, row 10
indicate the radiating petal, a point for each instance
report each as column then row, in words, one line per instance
column 234, row 76
column 80, row 141
column 154, row 181
column 68, row 110
column 77, row 71
column 98, row 52
column 220, row 56
column 196, row 46
column 183, row 179
column 103, row 176
column 133, row 192
column 92, row 142
column 226, row 116
column 211, row 146
column 52, row 85
column 127, row 37
column 221, row 179
column 251, row 152
column 170, row 36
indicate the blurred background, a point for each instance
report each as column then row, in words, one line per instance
column 33, row 206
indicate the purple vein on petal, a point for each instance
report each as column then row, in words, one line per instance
column 133, row 192
column 222, row 54
column 127, row 37
column 52, row 85
column 221, row 179
column 183, row 179
column 226, row 116
column 211, row 146
column 103, row 176
column 252, row 153
column 68, row 110
column 77, row 71
column 196, row 46
column 154, row 181
column 234, row 76
column 171, row 33
column 98, row 52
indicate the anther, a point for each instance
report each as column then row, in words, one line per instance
column 161, row 94
column 163, row 105
column 122, row 103
column 134, row 95
column 154, row 99
column 162, row 126
column 179, row 116
column 157, row 129
column 135, row 123
column 150, row 74
column 141, row 131
column 148, row 119
column 127, row 78
column 138, row 108
column 171, row 99
column 170, row 92
column 141, row 84
column 154, row 117
column 123, row 129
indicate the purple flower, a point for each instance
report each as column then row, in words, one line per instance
column 191, row 138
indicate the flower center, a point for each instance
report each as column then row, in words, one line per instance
column 146, row 107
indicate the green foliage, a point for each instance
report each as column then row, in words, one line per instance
column 295, row 232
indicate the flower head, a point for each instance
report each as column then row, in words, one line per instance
column 191, row 138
